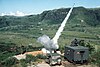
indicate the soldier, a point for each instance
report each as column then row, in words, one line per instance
column 74, row 42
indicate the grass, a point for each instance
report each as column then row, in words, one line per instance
column 28, row 36
column 78, row 34
column 17, row 38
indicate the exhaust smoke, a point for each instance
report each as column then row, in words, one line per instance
column 47, row 42
column 53, row 43
column 58, row 33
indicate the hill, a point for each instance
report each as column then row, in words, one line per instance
column 19, row 34
column 83, row 21
column 80, row 14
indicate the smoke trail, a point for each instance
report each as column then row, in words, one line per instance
column 52, row 44
column 58, row 33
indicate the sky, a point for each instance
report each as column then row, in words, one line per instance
column 26, row 7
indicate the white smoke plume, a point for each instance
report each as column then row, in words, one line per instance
column 53, row 43
column 47, row 42
column 58, row 33
column 44, row 40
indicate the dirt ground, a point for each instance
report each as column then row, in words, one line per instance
column 47, row 65
column 64, row 64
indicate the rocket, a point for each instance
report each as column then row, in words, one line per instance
column 53, row 43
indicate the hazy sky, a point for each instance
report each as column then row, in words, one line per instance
column 38, row 6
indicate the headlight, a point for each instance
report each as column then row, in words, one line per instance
column 59, row 60
column 78, row 53
column 53, row 62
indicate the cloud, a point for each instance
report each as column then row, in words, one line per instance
column 17, row 13
column 97, row 6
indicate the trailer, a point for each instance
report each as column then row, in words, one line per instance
column 76, row 54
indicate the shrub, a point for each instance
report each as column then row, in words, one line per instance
column 61, row 48
column 23, row 63
column 95, row 58
column 10, row 61
column 40, row 56
column 30, row 58
column 87, row 44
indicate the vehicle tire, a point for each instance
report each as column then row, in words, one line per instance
column 46, row 60
column 50, row 64
column 59, row 63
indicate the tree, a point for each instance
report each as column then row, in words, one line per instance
column 95, row 58
column 30, row 58
column 23, row 63
column 10, row 61
column 87, row 44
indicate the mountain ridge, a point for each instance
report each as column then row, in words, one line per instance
column 90, row 16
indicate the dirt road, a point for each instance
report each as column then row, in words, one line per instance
column 47, row 65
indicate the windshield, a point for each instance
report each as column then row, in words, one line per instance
column 55, row 57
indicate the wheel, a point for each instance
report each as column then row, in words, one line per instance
column 59, row 63
column 46, row 60
column 50, row 64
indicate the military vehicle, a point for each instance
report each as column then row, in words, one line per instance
column 53, row 59
column 76, row 53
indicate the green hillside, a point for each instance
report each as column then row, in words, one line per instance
column 84, row 23
column 82, row 20
column 80, row 14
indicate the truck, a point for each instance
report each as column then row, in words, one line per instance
column 53, row 59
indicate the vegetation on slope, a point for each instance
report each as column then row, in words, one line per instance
column 84, row 23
